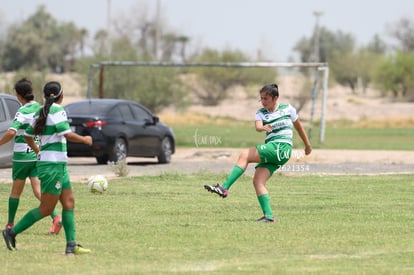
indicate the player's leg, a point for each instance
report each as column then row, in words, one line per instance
column 35, row 183
column 14, row 200
column 20, row 171
column 276, row 155
column 50, row 189
column 47, row 204
column 68, row 218
column 261, row 175
column 250, row 155
column 247, row 156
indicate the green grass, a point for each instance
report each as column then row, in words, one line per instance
column 169, row 224
column 369, row 138
column 242, row 134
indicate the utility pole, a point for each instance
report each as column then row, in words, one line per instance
column 316, row 58
column 316, row 44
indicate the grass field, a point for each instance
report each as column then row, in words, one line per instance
column 170, row 224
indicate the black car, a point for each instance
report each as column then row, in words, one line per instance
column 8, row 108
column 119, row 128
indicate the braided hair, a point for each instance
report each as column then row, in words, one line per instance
column 270, row 89
column 23, row 87
column 52, row 93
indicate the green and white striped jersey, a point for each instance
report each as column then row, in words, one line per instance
column 24, row 118
column 52, row 141
column 282, row 123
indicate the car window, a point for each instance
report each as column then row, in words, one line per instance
column 126, row 112
column 13, row 106
column 115, row 113
column 140, row 113
column 87, row 108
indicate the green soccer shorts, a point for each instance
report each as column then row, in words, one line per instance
column 273, row 155
column 23, row 169
column 53, row 177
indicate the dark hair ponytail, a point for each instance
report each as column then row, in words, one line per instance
column 24, row 88
column 52, row 92
column 270, row 89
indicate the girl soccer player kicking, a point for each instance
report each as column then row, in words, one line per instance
column 52, row 128
column 24, row 158
column 278, row 121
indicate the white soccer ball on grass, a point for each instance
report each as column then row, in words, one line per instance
column 97, row 184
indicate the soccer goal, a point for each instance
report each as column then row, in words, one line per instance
column 319, row 83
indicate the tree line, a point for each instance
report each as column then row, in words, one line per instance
column 42, row 44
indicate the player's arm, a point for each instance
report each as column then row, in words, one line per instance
column 73, row 137
column 302, row 133
column 9, row 135
column 260, row 127
column 30, row 141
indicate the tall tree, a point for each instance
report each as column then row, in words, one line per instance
column 403, row 32
column 377, row 45
column 395, row 74
column 350, row 67
column 151, row 35
column 41, row 42
column 329, row 43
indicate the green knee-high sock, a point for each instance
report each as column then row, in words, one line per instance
column 54, row 214
column 13, row 205
column 233, row 176
column 68, row 222
column 264, row 201
column 28, row 220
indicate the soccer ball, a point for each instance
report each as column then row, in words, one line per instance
column 97, row 184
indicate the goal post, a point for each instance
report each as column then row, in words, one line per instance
column 318, row 67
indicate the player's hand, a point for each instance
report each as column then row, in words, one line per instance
column 308, row 149
column 268, row 128
column 87, row 140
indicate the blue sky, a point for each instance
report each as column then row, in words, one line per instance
column 273, row 26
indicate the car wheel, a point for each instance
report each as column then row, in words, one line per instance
column 102, row 159
column 119, row 151
column 166, row 151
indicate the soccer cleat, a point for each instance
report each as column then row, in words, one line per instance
column 266, row 219
column 56, row 225
column 9, row 238
column 218, row 189
column 72, row 248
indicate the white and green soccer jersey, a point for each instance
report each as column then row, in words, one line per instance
column 282, row 123
column 52, row 140
column 22, row 120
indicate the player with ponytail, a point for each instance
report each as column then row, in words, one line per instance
column 24, row 158
column 277, row 120
column 52, row 128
